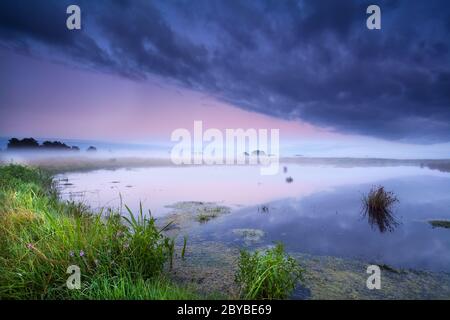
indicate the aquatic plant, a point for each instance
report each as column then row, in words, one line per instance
column 170, row 243
column 150, row 248
column 270, row 274
column 206, row 216
column 377, row 206
column 209, row 213
column 440, row 223
column 183, row 251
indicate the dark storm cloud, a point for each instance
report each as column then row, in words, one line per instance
column 24, row 24
column 311, row 60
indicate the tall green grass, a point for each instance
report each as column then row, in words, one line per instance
column 270, row 274
column 125, row 287
column 41, row 236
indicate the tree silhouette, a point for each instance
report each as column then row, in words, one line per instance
column 27, row 143
column 55, row 145
column 31, row 143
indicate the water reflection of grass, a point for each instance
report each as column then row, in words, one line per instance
column 212, row 265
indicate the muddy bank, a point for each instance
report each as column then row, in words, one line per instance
column 336, row 278
column 210, row 268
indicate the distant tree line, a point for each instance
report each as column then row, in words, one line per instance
column 32, row 144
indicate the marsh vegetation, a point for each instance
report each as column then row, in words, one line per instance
column 120, row 256
column 440, row 223
column 40, row 236
column 378, row 208
column 269, row 274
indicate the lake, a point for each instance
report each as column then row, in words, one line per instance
column 318, row 213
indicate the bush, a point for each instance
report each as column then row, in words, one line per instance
column 15, row 176
column 267, row 275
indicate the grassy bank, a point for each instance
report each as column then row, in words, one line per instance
column 45, row 242
column 41, row 236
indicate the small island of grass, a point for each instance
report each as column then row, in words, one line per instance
column 440, row 223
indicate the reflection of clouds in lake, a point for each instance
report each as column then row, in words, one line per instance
column 321, row 216
column 157, row 187
column 330, row 223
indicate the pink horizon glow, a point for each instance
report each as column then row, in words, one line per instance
column 46, row 99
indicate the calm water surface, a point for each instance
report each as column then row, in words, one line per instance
column 318, row 213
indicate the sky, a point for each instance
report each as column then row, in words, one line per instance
column 137, row 70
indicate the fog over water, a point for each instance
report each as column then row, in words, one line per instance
column 313, row 204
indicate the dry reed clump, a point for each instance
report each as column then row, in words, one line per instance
column 377, row 206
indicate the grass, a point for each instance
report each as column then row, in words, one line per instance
column 440, row 223
column 208, row 213
column 183, row 251
column 41, row 236
column 378, row 207
column 120, row 257
column 126, row 287
column 271, row 274
column 205, row 217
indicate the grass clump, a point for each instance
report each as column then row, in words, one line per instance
column 41, row 236
column 125, row 287
column 183, row 251
column 440, row 223
column 378, row 207
column 206, row 216
column 271, row 274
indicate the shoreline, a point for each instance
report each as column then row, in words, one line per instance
column 326, row 277
column 209, row 267
column 58, row 162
